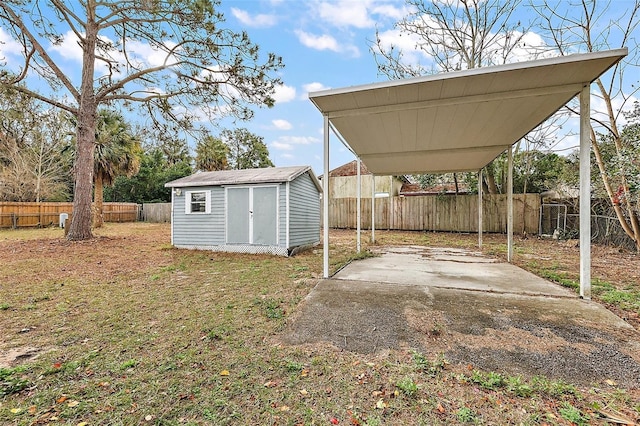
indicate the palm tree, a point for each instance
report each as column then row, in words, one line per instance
column 117, row 153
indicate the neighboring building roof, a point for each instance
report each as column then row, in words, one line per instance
column 244, row 176
column 351, row 169
column 411, row 189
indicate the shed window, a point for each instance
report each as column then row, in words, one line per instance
column 198, row 202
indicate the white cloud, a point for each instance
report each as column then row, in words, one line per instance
column 315, row 87
column 281, row 146
column 68, row 48
column 406, row 43
column 256, row 21
column 360, row 13
column 284, row 93
column 299, row 140
column 282, row 124
column 390, row 11
column 346, row 13
column 312, row 87
column 139, row 54
column 289, row 143
column 149, row 55
column 326, row 42
column 8, row 46
column 322, row 42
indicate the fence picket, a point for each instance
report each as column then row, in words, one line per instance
column 32, row 215
column 439, row 213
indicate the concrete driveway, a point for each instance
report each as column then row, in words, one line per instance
column 474, row 310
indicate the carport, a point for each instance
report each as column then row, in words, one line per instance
column 461, row 121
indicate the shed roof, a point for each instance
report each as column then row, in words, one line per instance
column 455, row 121
column 244, row 176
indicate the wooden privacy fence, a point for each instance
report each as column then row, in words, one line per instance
column 454, row 213
column 155, row 212
column 25, row 215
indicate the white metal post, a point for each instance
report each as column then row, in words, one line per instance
column 480, row 224
column 585, row 194
column 510, row 205
column 325, row 200
column 358, row 198
column 373, row 208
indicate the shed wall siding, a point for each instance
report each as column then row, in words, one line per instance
column 199, row 229
column 304, row 218
column 282, row 215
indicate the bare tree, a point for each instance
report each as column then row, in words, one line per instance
column 452, row 36
column 198, row 67
column 35, row 150
column 590, row 25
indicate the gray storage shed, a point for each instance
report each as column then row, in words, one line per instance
column 272, row 210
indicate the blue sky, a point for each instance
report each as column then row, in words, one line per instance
column 324, row 44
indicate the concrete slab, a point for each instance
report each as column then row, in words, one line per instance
column 448, row 268
column 475, row 311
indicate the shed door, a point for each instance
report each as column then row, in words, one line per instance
column 265, row 215
column 252, row 215
column 238, row 216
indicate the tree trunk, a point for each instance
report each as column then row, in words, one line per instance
column 631, row 228
column 98, row 197
column 490, row 179
column 80, row 227
column 455, row 180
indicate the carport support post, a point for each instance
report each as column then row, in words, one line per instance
column 325, row 200
column 480, row 224
column 585, row 193
column 510, row 205
column 358, row 197
column 373, row 208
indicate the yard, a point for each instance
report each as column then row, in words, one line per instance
column 124, row 329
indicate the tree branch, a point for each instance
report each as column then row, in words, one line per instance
column 42, row 53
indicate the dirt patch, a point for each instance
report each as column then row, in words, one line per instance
column 15, row 356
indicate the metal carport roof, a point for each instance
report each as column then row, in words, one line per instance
column 455, row 121
column 460, row 121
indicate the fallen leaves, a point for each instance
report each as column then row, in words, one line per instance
column 381, row 405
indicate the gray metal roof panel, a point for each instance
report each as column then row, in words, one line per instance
column 243, row 177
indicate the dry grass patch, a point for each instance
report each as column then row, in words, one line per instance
column 128, row 330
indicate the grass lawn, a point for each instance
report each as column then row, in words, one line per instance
column 127, row 330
